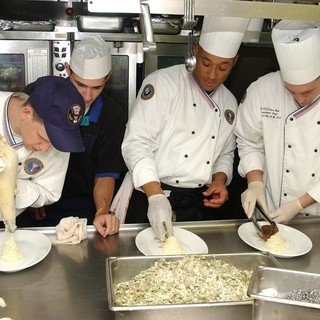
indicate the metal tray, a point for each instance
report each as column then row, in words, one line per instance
column 161, row 25
column 33, row 25
column 269, row 286
column 120, row 269
column 100, row 24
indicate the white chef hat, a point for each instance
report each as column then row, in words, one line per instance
column 222, row 36
column 91, row 58
column 297, row 47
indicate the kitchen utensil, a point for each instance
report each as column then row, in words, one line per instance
column 190, row 61
column 189, row 22
column 267, row 230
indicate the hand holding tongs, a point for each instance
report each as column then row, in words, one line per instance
column 267, row 231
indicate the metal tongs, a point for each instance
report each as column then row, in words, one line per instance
column 260, row 211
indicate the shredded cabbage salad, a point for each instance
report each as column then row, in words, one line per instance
column 192, row 279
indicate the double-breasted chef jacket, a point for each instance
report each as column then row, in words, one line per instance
column 177, row 133
column 40, row 175
column 279, row 137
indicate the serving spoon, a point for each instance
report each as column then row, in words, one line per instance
column 190, row 61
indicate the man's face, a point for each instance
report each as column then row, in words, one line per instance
column 305, row 93
column 211, row 71
column 33, row 132
column 89, row 89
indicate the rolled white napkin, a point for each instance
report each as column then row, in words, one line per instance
column 71, row 230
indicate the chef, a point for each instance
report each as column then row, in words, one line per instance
column 278, row 127
column 179, row 142
column 42, row 128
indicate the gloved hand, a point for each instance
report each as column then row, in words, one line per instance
column 254, row 193
column 159, row 215
column 286, row 212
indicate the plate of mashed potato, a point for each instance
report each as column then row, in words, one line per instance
column 182, row 242
column 22, row 249
column 286, row 243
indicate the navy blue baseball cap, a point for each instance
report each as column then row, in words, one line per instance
column 61, row 107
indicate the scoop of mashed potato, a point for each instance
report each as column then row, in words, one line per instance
column 276, row 243
column 172, row 246
column 11, row 252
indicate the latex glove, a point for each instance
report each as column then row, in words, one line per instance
column 286, row 212
column 254, row 193
column 159, row 215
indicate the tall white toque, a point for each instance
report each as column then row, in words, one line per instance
column 297, row 47
column 91, row 58
column 222, row 36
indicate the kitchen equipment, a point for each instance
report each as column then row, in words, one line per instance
column 33, row 245
column 163, row 24
column 272, row 288
column 100, row 24
column 61, row 55
column 266, row 230
column 147, row 243
column 69, row 10
column 120, row 269
column 22, row 62
column 298, row 243
column 191, row 59
column 33, row 25
column 189, row 21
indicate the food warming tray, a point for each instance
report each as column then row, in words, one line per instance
column 100, row 24
column 33, row 25
column 280, row 294
column 119, row 269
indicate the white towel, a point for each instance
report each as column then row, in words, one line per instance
column 121, row 200
column 71, row 230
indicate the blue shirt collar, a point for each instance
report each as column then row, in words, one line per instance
column 95, row 109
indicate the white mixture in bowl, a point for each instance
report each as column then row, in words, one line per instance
column 172, row 246
column 11, row 252
column 276, row 243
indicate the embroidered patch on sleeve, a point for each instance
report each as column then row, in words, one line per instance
column 33, row 166
column 147, row 92
column 229, row 116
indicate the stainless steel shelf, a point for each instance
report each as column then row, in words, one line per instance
column 34, row 35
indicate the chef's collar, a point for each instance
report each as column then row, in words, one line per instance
column 314, row 102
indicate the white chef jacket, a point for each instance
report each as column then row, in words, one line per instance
column 281, row 139
column 40, row 175
column 177, row 134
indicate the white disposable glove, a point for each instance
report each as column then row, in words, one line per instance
column 286, row 212
column 159, row 215
column 254, row 193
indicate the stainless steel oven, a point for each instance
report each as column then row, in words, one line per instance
column 22, row 62
column 165, row 55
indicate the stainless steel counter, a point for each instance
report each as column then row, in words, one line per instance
column 70, row 283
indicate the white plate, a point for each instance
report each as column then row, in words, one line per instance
column 148, row 245
column 298, row 242
column 33, row 245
